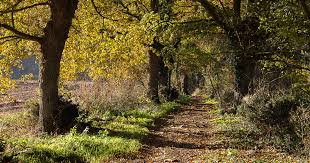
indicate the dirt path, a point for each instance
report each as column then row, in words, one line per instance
column 191, row 135
column 182, row 137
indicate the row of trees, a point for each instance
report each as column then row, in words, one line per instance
column 112, row 37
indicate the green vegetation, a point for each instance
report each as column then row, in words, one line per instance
column 70, row 148
column 184, row 99
column 243, row 140
column 210, row 101
column 110, row 68
column 121, row 136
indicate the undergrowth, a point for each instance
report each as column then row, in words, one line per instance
column 242, row 140
column 70, row 148
column 118, row 134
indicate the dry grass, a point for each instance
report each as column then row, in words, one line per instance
column 17, row 124
column 110, row 95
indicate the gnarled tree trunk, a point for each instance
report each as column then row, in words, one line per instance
column 52, row 45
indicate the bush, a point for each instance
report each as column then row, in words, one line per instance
column 110, row 95
column 271, row 112
column 65, row 116
column 301, row 122
column 33, row 108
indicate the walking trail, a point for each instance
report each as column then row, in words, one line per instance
column 183, row 136
column 190, row 135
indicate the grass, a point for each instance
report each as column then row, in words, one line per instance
column 242, row 141
column 210, row 101
column 225, row 120
column 184, row 99
column 16, row 124
column 72, row 148
column 121, row 135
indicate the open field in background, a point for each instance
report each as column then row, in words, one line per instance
column 22, row 92
column 17, row 96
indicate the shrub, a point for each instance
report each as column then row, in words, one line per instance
column 301, row 122
column 110, row 95
column 65, row 117
column 271, row 111
column 33, row 108
column 184, row 99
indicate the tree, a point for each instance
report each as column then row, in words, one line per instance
column 244, row 35
column 52, row 41
column 120, row 25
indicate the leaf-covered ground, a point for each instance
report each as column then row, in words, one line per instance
column 198, row 132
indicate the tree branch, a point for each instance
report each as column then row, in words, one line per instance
column 96, row 9
column 294, row 66
column 8, row 38
column 12, row 10
column 214, row 12
column 305, row 7
column 237, row 8
column 21, row 34
column 127, row 10
column 99, row 13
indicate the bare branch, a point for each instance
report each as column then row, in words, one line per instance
column 99, row 13
column 13, row 10
column 127, row 10
column 8, row 38
column 21, row 34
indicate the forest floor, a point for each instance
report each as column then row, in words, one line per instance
column 198, row 132
column 195, row 132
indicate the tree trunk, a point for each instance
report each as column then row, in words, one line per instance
column 244, row 75
column 154, row 68
column 52, row 46
column 49, row 73
column 246, row 39
column 163, row 73
column 186, row 84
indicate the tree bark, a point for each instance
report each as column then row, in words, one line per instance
column 186, row 84
column 154, row 69
column 305, row 8
column 49, row 73
column 245, row 39
column 52, row 45
column 163, row 73
column 245, row 75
